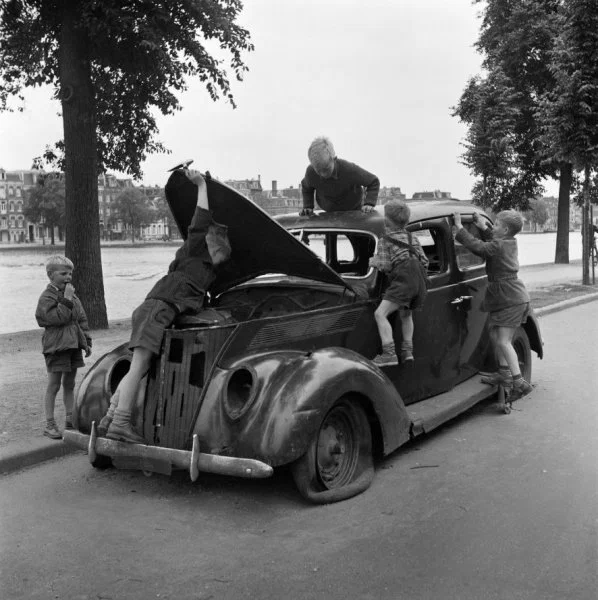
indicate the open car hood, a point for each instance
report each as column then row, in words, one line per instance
column 259, row 244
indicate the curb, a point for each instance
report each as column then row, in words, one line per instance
column 17, row 456
column 20, row 455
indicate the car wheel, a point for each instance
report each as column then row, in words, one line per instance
column 524, row 353
column 338, row 463
column 102, row 462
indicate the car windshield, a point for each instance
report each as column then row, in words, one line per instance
column 346, row 252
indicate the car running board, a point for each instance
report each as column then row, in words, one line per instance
column 428, row 414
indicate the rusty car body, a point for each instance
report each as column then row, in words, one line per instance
column 278, row 370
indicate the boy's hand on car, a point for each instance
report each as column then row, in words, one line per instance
column 69, row 291
column 87, row 351
column 366, row 208
column 457, row 219
column 306, row 212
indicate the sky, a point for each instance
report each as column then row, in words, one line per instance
column 378, row 77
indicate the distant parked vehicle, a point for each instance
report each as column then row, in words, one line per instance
column 278, row 370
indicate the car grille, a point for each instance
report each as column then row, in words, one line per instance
column 176, row 384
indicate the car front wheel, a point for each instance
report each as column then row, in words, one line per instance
column 338, row 463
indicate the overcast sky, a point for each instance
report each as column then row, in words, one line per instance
column 379, row 77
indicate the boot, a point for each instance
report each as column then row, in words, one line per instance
column 520, row 389
column 121, row 429
column 407, row 352
column 500, row 377
column 387, row 357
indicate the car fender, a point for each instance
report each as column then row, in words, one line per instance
column 532, row 329
column 292, row 392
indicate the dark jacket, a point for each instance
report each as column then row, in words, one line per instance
column 191, row 272
column 342, row 191
column 65, row 322
column 502, row 264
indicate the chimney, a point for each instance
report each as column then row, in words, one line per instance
column 274, row 188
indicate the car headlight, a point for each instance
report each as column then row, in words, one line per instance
column 239, row 392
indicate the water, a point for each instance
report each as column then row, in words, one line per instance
column 130, row 272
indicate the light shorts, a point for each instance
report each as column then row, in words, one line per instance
column 149, row 321
column 511, row 316
column 64, row 361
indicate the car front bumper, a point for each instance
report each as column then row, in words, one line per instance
column 162, row 460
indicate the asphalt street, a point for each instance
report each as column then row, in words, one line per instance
column 490, row 507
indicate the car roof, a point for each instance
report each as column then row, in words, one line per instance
column 421, row 210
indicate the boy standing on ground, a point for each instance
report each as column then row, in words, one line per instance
column 401, row 257
column 182, row 290
column 336, row 183
column 61, row 314
column 506, row 298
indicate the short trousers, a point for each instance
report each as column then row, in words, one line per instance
column 511, row 316
column 149, row 321
column 64, row 361
column 407, row 288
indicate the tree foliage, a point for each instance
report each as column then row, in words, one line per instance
column 537, row 214
column 113, row 65
column 45, row 202
column 569, row 111
column 134, row 209
column 510, row 159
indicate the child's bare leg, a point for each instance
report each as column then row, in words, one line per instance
column 121, row 426
column 381, row 315
column 407, row 331
column 68, row 394
column 504, row 340
column 503, row 376
column 52, row 388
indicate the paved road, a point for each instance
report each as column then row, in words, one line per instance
column 489, row 507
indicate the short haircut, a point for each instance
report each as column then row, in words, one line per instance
column 397, row 212
column 57, row 262
column 321, row 151
column 512, row 219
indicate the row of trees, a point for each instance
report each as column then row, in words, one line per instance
column 113, row 64
column 533, row 115
column 46, row 203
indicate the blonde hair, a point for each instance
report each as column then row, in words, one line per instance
column 397, row 212
column 57, row 262
column 512, row 219
column 321, row 151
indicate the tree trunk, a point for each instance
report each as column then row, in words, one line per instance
column 82, row 229
column 585, row 228
column 561, row 255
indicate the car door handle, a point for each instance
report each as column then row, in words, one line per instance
column 461, row 299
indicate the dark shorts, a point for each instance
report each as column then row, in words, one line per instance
column 511, row 316
column 64, row 361
column 407, row 289
column 149, row 321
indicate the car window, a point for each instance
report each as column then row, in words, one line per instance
column 431, row 242
column 466, row 259
column 348, row 253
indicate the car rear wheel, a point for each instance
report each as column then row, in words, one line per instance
column 338, row 463
column 524, row 352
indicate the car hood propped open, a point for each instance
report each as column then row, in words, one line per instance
column 260, row 245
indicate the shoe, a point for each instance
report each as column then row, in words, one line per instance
column 68, row 425
column 124, row 433
column 496, row 378
column 103, row 425
column 387, row 357
column 52, row 430
column 406, row 356
column 523, row 389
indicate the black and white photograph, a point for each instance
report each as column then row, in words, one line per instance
column 299, row 300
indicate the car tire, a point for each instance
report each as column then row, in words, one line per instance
column 102, row 462
column 338, row 463
column 524, row 353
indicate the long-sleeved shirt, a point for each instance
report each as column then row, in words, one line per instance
column 64, row 321
column 343, row 190
column 502, row 265
column 389, row 255
column 191, row 272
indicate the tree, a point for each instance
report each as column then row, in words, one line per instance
column 45, row 202
column 516, row 39
column 134, row 209
column 538, row 212
column 569, row 112
column 113, row 63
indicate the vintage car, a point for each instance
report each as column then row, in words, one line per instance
column 278, row 369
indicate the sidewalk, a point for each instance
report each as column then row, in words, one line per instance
column 23, row 376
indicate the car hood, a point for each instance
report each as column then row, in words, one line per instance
column 260, row 245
